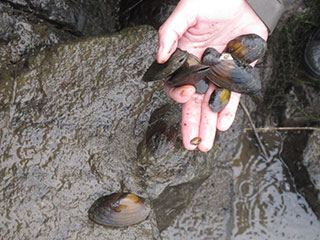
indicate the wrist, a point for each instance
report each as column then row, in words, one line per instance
column 249, row 22
column 268, row 11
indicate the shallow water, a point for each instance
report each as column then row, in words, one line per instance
column 267, row 204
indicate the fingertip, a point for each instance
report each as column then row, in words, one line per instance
column 205, row 148
column 207, row 129
column 188, row 146
column 180, row 94
column 168, row 43
column 225, row 123
column 227, row 115
column 173, row 29
column 188, row 133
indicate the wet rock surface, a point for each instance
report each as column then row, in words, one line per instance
column 267, row 203
column 151, row 12
column 62, row 131
column 81, row 18
column 29, row 26
column 205, row 199
column 311, row 156
column 23, row 34
column 161, row 158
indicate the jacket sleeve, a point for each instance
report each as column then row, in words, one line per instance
column 269, row 11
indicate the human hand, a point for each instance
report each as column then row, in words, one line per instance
column 193, row 26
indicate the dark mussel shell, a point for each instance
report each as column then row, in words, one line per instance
column 161, row 71
column 190, row 72
column 219, row 99
column 162, row 133
column 312, row 55
column 182, row 68
column 235, row 76
column 119, row 210
column 210, row 57
column 248, row 48
column 160, row 138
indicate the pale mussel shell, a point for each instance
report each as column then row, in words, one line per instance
column 119, row 210
column 312, row 55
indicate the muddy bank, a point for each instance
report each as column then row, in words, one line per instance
column 60, row 143
column 74, row 123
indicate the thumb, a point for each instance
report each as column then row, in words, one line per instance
column 173, row 29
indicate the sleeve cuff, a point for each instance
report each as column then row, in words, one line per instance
column 269, row 11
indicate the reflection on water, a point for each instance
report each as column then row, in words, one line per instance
column 267, row 205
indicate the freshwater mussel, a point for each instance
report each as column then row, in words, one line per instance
column 119, row 210
column 182, row 68
column 229, row 71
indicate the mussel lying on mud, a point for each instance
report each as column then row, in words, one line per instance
column 229, row 70
column 119, row 210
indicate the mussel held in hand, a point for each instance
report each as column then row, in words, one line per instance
column 229, row 70
column 235, row 76
column 182, row 68
column 219, row 99
column 247, row 48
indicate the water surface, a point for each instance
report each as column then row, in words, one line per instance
column 267, row 204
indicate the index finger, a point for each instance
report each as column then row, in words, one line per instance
column 173, row 29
